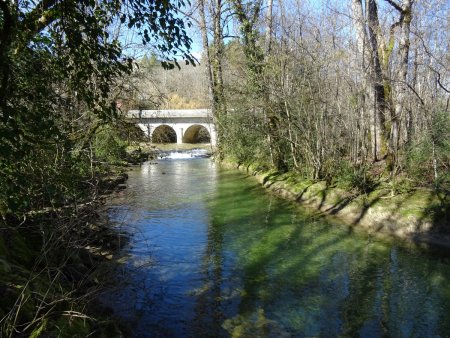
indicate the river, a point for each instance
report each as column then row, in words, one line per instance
column 212, row 254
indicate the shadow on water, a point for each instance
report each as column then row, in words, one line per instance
column 209, row 315
column 250, row 265
column 300, row 276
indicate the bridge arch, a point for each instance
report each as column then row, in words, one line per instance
column 197, row 133
column 164, row 134
column 187, row 123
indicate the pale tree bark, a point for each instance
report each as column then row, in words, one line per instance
column 400, row 88
column 288, row 88
column 214, row 61
column 362, row 58
column 218, row 56
column 269, row 27
column 377, row 99
column 273, row 134
column 205, row 45
column 363, row 55
column 286, row 85
column 367, row 43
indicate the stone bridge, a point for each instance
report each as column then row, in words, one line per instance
column 176, row 125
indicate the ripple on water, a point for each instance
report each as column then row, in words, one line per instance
column 213, row 255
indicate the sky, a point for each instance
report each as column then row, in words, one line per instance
column 194, row 33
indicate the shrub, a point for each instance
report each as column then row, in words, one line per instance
column 428, row 159
column 108, row 146
column 355, row 178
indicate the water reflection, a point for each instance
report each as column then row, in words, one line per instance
column 219, row 257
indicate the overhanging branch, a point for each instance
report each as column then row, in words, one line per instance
column 395, row 5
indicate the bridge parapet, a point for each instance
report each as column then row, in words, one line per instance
column 169, row 113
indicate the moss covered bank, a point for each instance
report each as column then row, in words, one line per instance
column 420, row 215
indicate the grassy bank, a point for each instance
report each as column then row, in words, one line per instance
column 421, row 215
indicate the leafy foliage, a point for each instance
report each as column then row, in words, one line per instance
column 60, row 68
column 108, row 145
column 59, row 65
column 242, row 138
column 355, row 178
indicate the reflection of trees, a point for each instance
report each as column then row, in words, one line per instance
column 365, row 281
column 414, row 295
column 208, row 310
column 392, row 293
column 300, row 275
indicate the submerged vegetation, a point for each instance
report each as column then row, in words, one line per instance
column 223, row 258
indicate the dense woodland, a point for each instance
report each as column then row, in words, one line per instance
column 351, row 91
column 356, row 90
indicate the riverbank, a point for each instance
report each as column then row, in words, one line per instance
column 55, row 262
column 421, row 215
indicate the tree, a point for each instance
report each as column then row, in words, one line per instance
column 310, row 105
column 59, row 66
column 368, row 47
column 248, row 15
column 401, row 81
column 214, row 60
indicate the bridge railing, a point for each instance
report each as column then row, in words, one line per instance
column 169, row 113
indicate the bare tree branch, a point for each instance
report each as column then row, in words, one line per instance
column 395, row 5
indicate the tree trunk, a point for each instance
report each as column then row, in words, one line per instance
column 273, row 123
column 379, row 142
column 269, row 23
column 402, row 72
column 256, row 60
column 214, row 64
column 205, row 44
column 218, row 56
column 367, row 44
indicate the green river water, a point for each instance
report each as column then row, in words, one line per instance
column 212, row 254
